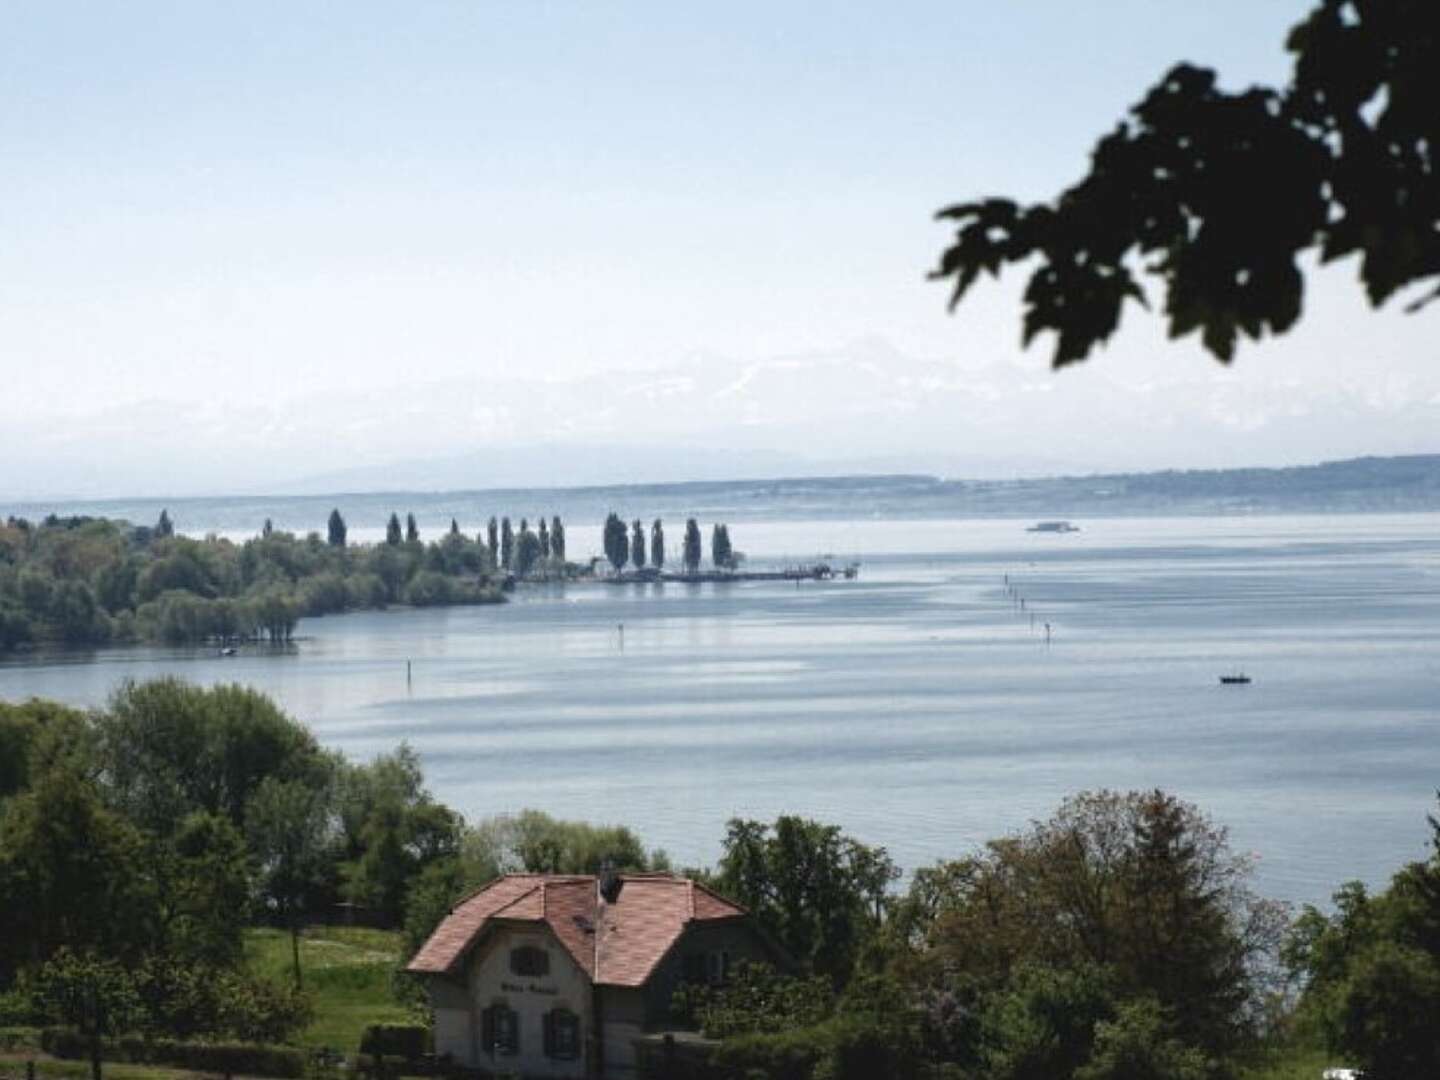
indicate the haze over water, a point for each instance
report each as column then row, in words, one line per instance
column 915, row 706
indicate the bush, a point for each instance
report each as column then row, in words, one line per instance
column 64, row 1042
column 786, row 1055
column 228, row 1059
column 406, row 1041
column 429, row 589
column 19, row 1038
column 16, row 1009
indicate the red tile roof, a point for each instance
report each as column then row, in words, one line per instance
column 615, row 944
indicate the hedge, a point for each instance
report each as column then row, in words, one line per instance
column 16, row 1038
column 406, row 1041
column 253, row 1059
column 841, row 1048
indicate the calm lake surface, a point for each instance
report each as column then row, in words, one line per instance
column 915, row 706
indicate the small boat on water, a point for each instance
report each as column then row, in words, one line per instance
column 1053, row 526
column 228, row 650
column 1238, row 679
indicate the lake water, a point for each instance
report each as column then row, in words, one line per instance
column 915, row 706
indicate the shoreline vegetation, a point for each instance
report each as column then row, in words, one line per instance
column 165, row 861
column 91, row 581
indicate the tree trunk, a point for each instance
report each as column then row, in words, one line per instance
column 295, row 949
column 95, row 1055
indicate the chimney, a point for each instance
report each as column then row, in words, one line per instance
column 609, row 882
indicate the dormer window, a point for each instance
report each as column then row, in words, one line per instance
column 529, row 961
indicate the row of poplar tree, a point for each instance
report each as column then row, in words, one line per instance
column 517, row 551
column 626, row 545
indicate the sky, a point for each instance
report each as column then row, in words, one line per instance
column 247, row 245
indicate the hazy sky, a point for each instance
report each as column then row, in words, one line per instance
column 236, row 210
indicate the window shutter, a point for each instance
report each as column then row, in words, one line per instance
column 487, row 1029
column 550, row 1034
column 512, row 1030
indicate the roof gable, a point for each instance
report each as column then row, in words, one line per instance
column 615, row 944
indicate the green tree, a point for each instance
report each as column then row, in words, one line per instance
column 204, row 889
column 527, row 550
column 617, row 542
column 1371, row 971
column 267, row 528
column 754, row 999
column 1219, row 193
column 492, row 537
column 336, row 529
column 393, row 535
column 291, row 828
column 557, row 538
column 657, row 545
column 1135, row 1045
column 97, row 996
column 71, row 874
column 454, row 527
column 1141, row 884
column 164, row 527
column 637, row 544
column 817, row 890
column 412, row 531
column 544, row 532
column 168, row 749
column 692, row 546
column 721, row 553
column 507, row 544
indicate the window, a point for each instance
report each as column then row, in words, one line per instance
column 500, row 1030
column 711, row 966
column 694, row 968
column 562, row 1034
column 529, row 960
column 717, row 967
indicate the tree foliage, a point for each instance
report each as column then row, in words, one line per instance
column 692, row 546
column 1217, row 194
column 1371, row 971
column 616, row 540
column 637, row 544
column 721, row 553
column 92, row 581
column 1140, row 885
column 818, row 891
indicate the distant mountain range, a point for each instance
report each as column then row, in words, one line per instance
column 866, row 408
column 1369, row 484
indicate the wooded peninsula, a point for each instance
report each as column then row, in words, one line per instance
column 88, row 581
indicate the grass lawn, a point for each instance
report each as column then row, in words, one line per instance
column 346, row 970
column 1300, row 1064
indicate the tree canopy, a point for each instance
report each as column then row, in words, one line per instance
column 1218, row 193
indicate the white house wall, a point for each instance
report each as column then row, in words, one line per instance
column 532, row 997
column 454, row 1033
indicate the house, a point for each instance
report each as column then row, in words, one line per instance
column 559, row 975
